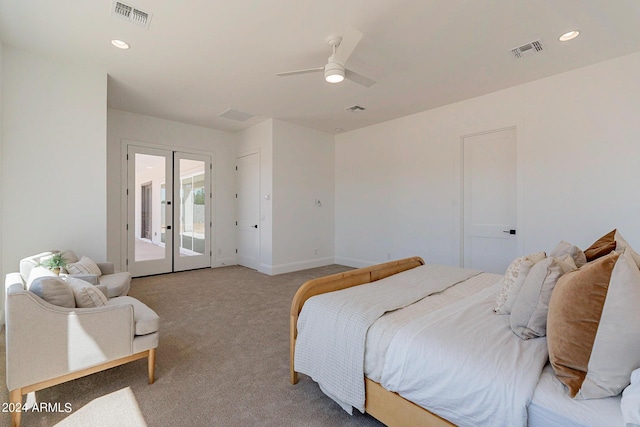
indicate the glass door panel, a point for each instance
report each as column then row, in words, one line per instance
column 192, row 178
column 149, row 211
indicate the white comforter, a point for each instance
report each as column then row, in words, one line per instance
column 465, row 364
column 332, row 327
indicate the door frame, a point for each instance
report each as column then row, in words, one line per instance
column 124, row 144
column 519, row 130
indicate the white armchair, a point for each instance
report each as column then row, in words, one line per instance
column 48, row 345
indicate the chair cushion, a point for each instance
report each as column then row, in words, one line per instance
column 53, row 290
column 86, row 294
column 118, row 284
column 146, row 320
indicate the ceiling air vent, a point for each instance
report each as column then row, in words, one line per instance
column 527, row 49
column 355, row 108
column 131, row 14
column 236, row 115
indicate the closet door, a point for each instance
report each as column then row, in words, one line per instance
column 490, row 235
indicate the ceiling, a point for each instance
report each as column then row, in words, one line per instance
column 201, row 57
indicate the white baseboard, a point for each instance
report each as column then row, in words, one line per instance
column 355, row 263
column 273, row 270
column 223, row 262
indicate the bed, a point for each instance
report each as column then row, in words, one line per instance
column 396, row 393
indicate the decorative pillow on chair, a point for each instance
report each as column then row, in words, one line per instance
column 86, row 295
column 593, row 327
column 53, row 290
column 621, row 244
column 84, row 266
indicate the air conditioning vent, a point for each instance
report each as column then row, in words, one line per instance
column 527, row 49
column 236, row 115
column 355, row 108
column 131, row 14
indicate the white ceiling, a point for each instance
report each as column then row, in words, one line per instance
column 201, row 57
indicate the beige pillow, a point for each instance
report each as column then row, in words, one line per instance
column 53, row 290
column 621, row 243
column 84, row 266
column 593, row 329
column 565, row 248
column 529, row 311
column 525, row 266
column 86, row 295
column 507, row 283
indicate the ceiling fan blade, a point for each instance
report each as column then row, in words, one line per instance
column 293, row 73
column 358, row 78
column 349, row 42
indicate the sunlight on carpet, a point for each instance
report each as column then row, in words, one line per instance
column 118, row 408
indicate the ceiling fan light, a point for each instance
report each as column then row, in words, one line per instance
column 333, row 73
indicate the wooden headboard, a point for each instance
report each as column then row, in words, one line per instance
column 336, row 282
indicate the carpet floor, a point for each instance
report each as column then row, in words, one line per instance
column 223, row 360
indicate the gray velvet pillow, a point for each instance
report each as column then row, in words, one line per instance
column 53, row 290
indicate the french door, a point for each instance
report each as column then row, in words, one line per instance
column 168, row 211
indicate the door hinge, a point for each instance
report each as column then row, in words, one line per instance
column 236, row 251
column 127, row 261
column 236, row 167
column 236, row 222
column 210, row 253
column 127, row 227
column 127, row 156
column 210, row 166
column 236, row 195
column 210, row 224
column 127, row 191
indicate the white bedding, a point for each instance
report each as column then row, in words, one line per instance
column 332, row 327
column 552, row 406
column 465, row 364
column 382, row 331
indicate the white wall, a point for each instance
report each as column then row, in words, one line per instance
column 53, row 157
column 398, row 183
column 153, row 132
column 303, row 172
column 296, row 168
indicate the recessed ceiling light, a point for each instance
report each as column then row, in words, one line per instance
column 120, row 44
column 338, row 130
column 569, row 36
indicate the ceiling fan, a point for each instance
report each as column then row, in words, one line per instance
column 335, row 70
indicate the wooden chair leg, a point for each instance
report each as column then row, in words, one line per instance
column 15, row 397
column 152, row 365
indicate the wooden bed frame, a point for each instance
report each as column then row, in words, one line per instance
column 389, row 408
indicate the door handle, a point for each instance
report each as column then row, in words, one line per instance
column 509, row 231
column 255, row 226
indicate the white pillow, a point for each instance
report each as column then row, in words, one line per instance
column 565, row 248
column 39, row 272
column 84, row 266
column 513, row 280
column 85, row 294
column 529, row 311
column 630, row 403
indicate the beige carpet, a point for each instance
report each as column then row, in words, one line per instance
column 223, row 360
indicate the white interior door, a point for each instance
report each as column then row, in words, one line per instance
column 489, row 211
column 149, row 213
column 168, row 211
column 248, row 210
column 191, row 211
